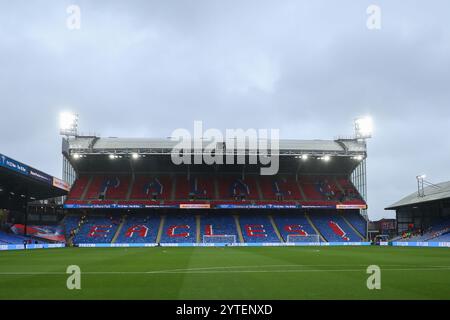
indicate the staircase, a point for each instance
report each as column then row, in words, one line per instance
column 238, row 228
column 160, row 229
column 130, row 188
column 116, row 235
column 88, row 185
column 301, row 190
column 353, row 228
column 322, row 238
column 274, row 225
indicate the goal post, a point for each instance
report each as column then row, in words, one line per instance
column 296, row 238
column 231, row 238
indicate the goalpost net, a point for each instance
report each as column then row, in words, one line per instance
column 311, row 238
column 219, row 238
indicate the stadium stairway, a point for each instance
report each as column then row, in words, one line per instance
column 258, row 189
column 160, row 229
column 322, row 238
column 336, row 182
column 301, row 189
column 238, row 228
column 130, row 187
column 354, row 229
column 274, row 225
column 119, row 229
column 197, row 221
column 174, row 189
column 88, row 186
column 216, row 188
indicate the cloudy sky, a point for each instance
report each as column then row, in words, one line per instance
column 308, row 68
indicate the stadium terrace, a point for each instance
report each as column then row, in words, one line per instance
column 130, row 191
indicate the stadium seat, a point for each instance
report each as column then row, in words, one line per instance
column 256, row 228
column 279, row 188
column 197, row 187
column 77, row 190
column 334, row 228
column 294, row 224
column 97, row 229
column 179, row 228
column 218, row 225
column 139, row 229
column 108, row 187
column 152, row 187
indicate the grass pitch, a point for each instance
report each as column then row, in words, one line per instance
column 227, row 273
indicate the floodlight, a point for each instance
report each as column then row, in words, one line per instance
column 304, row 157
column 358, row 157
column 135, row 155
column 68, row 124
column 76, row 156
column 326, row 158
column 363, row 127
column 112, row 156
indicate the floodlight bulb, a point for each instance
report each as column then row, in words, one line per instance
column 67, row 120
column 111, row 156
column 135, row 155
column 364, row 127
column 326, row 158
column 304, row 157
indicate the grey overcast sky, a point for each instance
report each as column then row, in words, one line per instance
column 145, row 68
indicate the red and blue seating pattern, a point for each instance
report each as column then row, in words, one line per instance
column 183, row 228
column 294, row 224
column 334, row 228
column 257, row 229
column 358, row 222
column 152, row 187
column 97, row 229
column 179, row 228
column 120, row 189
column 139, row 229
column 197, row 187
column 218, row 225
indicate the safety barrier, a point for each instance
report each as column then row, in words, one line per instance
column 5, row 247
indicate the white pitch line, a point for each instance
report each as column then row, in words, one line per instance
column 187, row 271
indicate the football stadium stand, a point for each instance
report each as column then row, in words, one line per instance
column 316, row 189
column 179, row 228
column 216, row 227
column 334, row 228
column 150, row 199
column 294, row 224
column 97, row 229
column 139, row 229
column 257, row 229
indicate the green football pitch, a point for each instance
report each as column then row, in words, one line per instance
column 227, row 273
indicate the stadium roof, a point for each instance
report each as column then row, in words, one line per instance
column 96, row 145
column 90, row 154
column 436, row 192
column 18, row 179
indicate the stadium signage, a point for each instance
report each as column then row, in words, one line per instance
column 351, row 206
column 223, row 149
column 13, row 165
column 41, row 176
column 195, row 206
column 58, row 183
column 258, row 206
